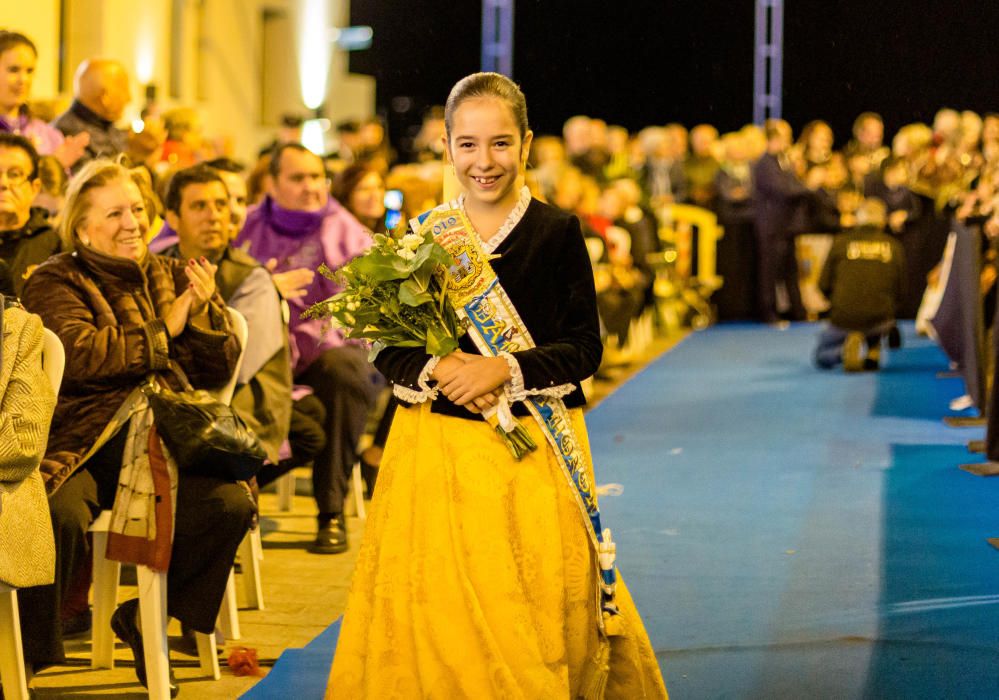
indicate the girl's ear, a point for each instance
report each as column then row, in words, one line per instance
column 525, row 147
column 447, row 149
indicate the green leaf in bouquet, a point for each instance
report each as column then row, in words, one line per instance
column 412, row 293
column 381, row 267
column 432, row 255
column 440, row 342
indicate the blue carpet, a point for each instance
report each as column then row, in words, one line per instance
column 792, row 533
column 786, row 532
column 299, row 673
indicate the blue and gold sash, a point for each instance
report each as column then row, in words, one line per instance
column 495, row 326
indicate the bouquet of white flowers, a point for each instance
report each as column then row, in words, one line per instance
column 395, row 295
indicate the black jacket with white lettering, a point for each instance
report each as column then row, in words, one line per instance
column 863, row 278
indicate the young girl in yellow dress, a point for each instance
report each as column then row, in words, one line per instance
column 478, row 576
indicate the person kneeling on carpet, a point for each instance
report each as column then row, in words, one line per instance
column 863, row 279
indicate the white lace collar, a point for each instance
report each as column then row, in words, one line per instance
column 512, row 219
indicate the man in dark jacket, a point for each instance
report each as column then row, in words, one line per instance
column 26, row 238
column 777, row 193
column 100, row 94
column 863, row 279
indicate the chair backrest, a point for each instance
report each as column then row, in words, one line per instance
column 53, row 359
column 242, row 332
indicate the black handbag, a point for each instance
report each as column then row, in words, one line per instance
column 205, row 436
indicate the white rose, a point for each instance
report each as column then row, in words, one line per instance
column 411, row 241
column 406, row 254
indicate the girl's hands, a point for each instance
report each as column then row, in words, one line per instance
column 472, row 380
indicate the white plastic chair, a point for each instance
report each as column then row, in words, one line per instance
column 13, row 674
column 285, row 490
column 229, row 613
column 53, row 359
column 153, row 590
column 12, row 671
column 357, row 487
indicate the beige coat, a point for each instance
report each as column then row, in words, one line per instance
column 27, row 549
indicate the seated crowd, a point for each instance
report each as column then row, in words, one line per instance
column 131, row 246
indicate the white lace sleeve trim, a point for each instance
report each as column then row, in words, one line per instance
column 426, row 392
column 515, row 390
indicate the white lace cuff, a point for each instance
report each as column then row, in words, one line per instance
column 515, row 391
column 425, row 392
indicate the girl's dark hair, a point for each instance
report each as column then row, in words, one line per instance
column 9, row 40
column 487, row 85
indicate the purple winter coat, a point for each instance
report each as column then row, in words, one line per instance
column 305, row 239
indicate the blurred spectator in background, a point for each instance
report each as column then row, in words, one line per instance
column 420, row 185
column 863, row 279
column 182, row 147
column 27, row 238
column 547, row 160
column 776, row 195
column 580, row 149
column 289, row 131
column 947, row 126
column 52, row 195
column 259, row 182
column 902, row 205
column 349, row 137
column 736, row 254
column 100, row 95
column 373, row 147
column 868, row 139
column 815, row 144
column 297, row 228
column 642, row 229
column 18, row 57
column 231, row 173
column 990, row 137
column 619, row 163
column 361, row 189
column 701, row 166
column 756, row 141
column 429, row 141
column 661, row 175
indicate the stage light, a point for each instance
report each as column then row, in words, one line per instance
column 313, row 50
column 144, row 59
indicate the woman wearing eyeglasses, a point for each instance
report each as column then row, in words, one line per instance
column 27, row 238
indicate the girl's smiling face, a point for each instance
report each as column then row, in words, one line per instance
column 487, row 151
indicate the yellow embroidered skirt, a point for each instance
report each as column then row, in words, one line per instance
column 475, row 578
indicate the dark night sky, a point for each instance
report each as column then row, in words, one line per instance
column 638, row 62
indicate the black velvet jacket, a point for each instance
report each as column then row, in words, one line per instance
column 545, row 270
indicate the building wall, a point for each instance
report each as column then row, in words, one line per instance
column 39, row 20
column 202, row 53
